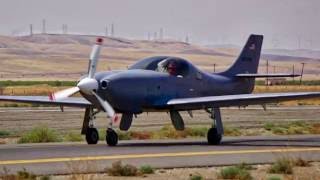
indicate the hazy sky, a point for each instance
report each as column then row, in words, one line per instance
column 284, row 23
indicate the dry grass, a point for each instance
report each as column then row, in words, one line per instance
column 272, row 89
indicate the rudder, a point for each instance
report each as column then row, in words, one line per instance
column 248, row 60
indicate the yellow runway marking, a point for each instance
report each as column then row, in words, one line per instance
column 157, row 155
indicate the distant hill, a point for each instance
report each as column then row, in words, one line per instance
column 67, row 54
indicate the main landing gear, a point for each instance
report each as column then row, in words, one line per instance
column 92, row 134
column 215, row 133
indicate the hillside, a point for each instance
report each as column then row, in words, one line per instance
column 52, row 56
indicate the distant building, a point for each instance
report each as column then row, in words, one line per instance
column 275, row 81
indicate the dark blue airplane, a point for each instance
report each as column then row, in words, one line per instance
column 169, row 84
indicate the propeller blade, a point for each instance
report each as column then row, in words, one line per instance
column 63, row 94
column 94, row 56
column 106, row 106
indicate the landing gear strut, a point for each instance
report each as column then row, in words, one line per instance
column 88, row 129
column 215, row 133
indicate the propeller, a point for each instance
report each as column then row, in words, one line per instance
column 63, row 94
column 89, row 84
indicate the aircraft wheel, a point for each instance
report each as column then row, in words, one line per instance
column 111, row 137
column 213, row 137
column 92, row 136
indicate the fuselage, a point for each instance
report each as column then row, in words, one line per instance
column 137, row 90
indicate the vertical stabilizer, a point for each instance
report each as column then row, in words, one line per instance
column 248, row 60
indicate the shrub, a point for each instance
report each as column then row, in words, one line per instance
column 146, row 169
column 301, row 162
column 197, row 131
column 102, row 134
column 46, row 177
column 24, row 174
column 196, row 177
column 228, row 131
column 281, row 166
column 73, row 137
column 4, row 133
column 234, row 172
column 118, row 169
column 244, row 166
column 40, row 135
column 124, row 135
column 274, row 178
column 279, row 130
column 268, row 126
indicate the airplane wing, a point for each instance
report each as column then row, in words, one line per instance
column 266, row 75
column 237, row 100
column 71, row 101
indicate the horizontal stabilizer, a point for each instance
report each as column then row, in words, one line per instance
column 266, row 75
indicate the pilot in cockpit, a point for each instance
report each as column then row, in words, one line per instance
column 168, row 66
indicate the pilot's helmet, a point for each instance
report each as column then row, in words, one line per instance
column 172, row 68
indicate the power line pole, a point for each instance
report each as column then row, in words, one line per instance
column 267, row 79
column 31, row 30
column 302, row 72
column 214, row 67
column 65, row 29
column 106, row 31
column 161, row 34
column 293, row 72
column 155, row 36
column 43, row 26
column 187, row 39
column 112, row 30
column 149, row 36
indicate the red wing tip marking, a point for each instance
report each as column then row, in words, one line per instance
column 51, row 96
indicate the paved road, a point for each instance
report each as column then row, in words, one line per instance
column 76, row 157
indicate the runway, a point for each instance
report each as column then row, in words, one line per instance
column 78, row 157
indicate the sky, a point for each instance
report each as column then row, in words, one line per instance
column 290, row 24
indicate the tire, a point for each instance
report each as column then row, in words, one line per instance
column 92, row 136
column 111, row 137
column 213, row 137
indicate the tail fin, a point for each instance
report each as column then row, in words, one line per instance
column 248, row 61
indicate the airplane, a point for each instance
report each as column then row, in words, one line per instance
column 165, row 84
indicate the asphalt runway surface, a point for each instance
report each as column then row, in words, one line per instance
column 57, row 158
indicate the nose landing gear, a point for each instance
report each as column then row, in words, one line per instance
column 92, row 134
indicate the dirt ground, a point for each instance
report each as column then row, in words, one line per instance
column 20, row 120
column 259, row 172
